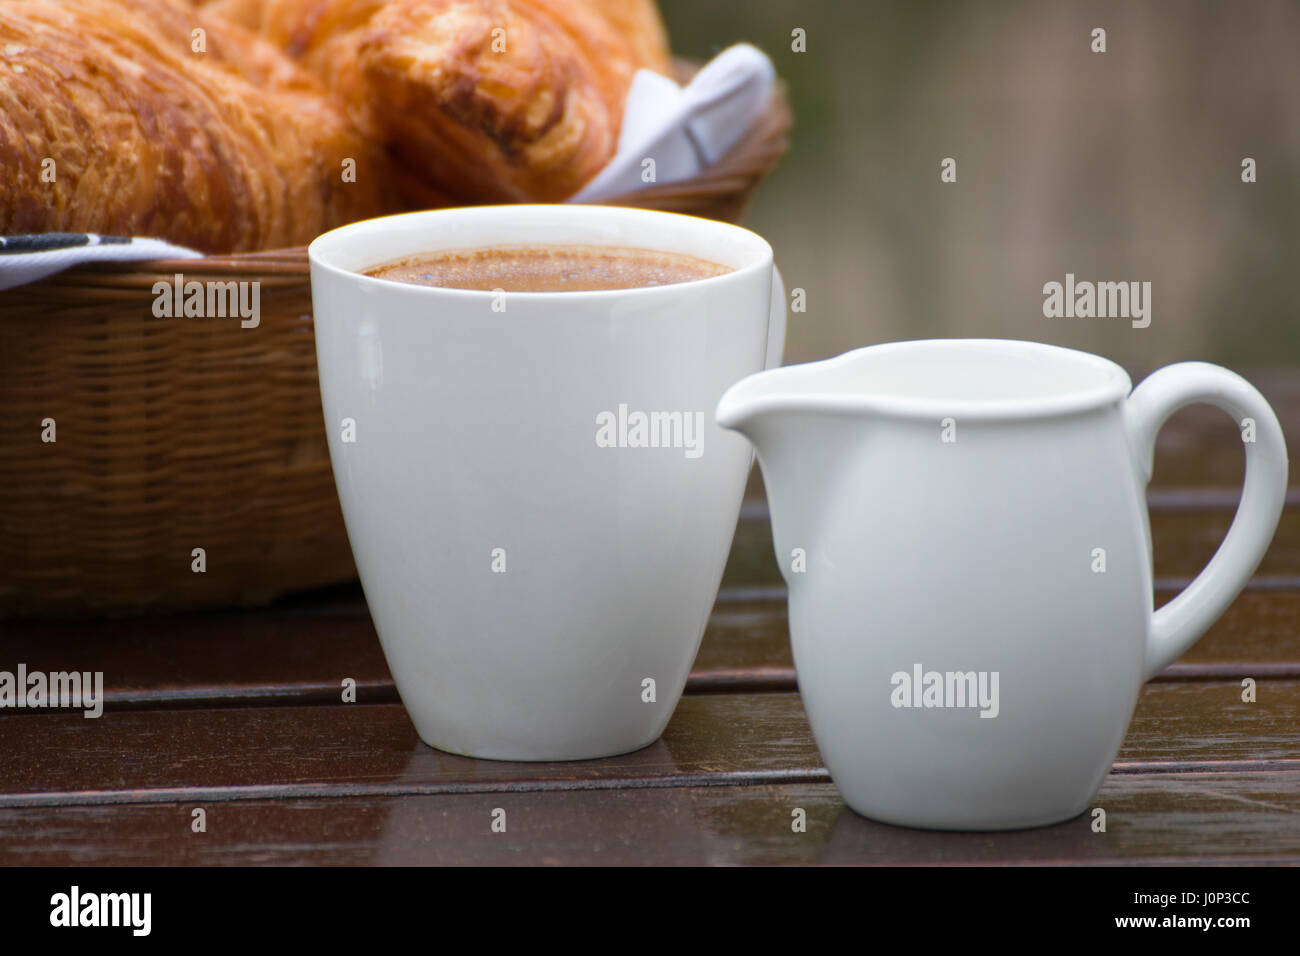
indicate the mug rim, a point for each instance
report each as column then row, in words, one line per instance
column 323, row 251
column 1113, row 385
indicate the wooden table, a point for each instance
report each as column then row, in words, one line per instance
column 240, row 713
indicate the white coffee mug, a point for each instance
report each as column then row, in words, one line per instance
column 962, row 527
column 538, row 499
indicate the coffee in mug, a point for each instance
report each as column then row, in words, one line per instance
column 563, row 268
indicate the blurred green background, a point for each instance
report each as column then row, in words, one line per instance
column 1123, row 165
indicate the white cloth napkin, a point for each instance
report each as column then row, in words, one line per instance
column 25, row 259
column 685, row 129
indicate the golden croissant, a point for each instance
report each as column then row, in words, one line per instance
column 117, row 117
column 483, row 100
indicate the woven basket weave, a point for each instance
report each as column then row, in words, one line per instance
column 176, row 434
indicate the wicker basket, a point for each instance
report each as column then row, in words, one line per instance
column 176, row 434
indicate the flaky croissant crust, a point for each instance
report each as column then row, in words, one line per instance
column 487, row 100
column 231, row 149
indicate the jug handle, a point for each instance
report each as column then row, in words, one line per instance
column 1178, row 624
column 776, row 322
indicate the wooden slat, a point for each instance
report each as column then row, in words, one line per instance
column 1206, row 723
column 1205, row 817
column 1258, row 634
column 1183, row 542
column 196, row 659
column 368, row 750
column 283, row 751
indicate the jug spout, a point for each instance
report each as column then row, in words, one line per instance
column 752, row 404
column 757, row 406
